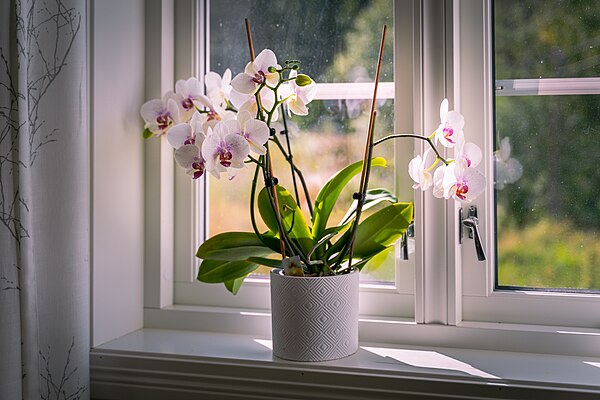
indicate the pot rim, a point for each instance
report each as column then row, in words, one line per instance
column 279, row 272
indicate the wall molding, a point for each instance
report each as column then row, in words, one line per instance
column 129, row 375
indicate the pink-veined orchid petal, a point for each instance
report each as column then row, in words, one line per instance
column 264, row 60
column 244, row 83
column 472, row 153
column 239, row 149
column 178, row 134
column 438, row 181
column 186, row 155
column 443, row 110
column 297, row 106
column 151, row 109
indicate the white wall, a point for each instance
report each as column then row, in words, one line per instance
column 117, row 92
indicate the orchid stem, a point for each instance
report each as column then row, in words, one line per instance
column 410, row 135
column 290, row 160
column 252, row 196
column 299, row 173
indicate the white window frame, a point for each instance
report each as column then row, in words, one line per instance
column 445, row 317
column 474, row 98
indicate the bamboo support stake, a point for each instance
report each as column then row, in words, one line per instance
column 269, row 165
column 249, row 36
column 368, row 148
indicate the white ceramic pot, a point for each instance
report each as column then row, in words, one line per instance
column 314, row 319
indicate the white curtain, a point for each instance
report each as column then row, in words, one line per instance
column 44, row 200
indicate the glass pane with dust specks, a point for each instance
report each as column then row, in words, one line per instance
column 548, row 147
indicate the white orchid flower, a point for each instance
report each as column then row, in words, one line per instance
column 218, row 88
column 212, row 113
column 190, row 158
column 247, row 102
column 450, row 131
column 508, row 170
column 461, row 182
column 418, row 170
column 438, row 181
column 188, row 92
column 223, row 150
column 255, row 132
column 299, row 96
column 257, row 73
column 161, row 114
column 471, row 153
column 187, row 139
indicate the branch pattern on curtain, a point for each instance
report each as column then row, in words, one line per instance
column 44, row 200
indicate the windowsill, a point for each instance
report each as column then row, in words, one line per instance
column 158, row 363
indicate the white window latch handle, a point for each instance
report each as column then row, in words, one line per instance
column 470, row 224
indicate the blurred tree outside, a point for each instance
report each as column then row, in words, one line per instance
column 549, row 220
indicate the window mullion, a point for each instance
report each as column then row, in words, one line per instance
column 547, row 86
column 430, row 218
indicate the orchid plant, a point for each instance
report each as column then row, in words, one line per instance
column 229, row 126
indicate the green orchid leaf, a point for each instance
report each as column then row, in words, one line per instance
column 267, row 262
column 330, row 192
column 373, row 197
column 232, row 246
column 331, row 254
column 221, row 271
column 376, row 233
column 359, row 265
column 271, row 241
column 148, row 133
column 382, row 229
column 326, row 237
column 234, row 285
column 292, row 218
column 381, row 265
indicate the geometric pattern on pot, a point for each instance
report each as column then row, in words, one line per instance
column 314, row 319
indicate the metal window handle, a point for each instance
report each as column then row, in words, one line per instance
column 471, row 225
column 410, row 233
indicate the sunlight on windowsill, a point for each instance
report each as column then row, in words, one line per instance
column 418, row 358
column 428, row 359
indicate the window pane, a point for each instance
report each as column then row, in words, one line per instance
column 547, row 39
column 336, row 41
column 547, row 175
